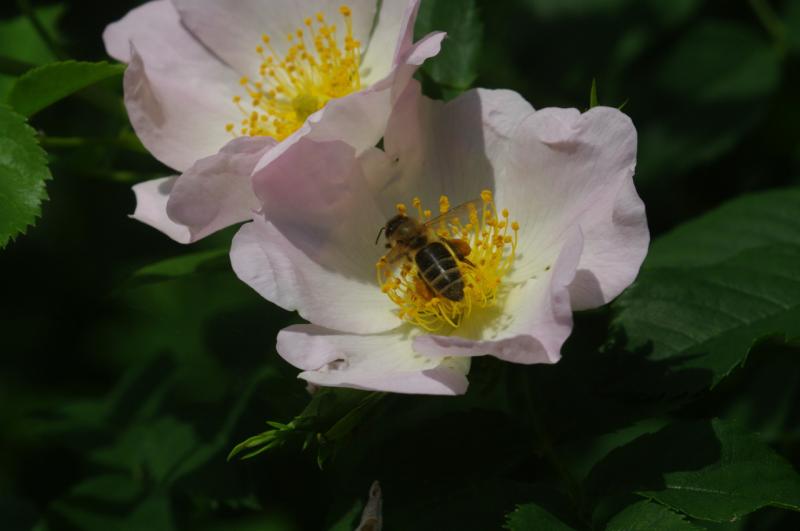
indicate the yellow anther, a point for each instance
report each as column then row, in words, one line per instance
column 291, row 86
column 505, row 212
column 401, row 208
column 444, row 204
column 515, row 226
column 486, row 196
column 416, row 202
column 229, row 127
column 237, row 99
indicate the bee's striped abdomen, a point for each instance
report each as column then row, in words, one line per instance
column 439, row 269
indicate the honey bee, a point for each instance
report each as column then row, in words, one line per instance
column 438, row 259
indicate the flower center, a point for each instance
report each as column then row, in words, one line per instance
column 483, row 246
column 316, row 68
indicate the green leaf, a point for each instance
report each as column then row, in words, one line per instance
column 593, row 102
column 707, row 470
column 155, row 448
column 22, row 45
column 792, row 21
column 705, row 320
column 350, row 519
column 186, row 264
column 455, row 68
column 19, row 39
column 720, row 61
column 712, row 87
column 648, row 515
column 50, row 83
column 744, row 223
column 532, row 517
column 744, row 287
column 23, row 172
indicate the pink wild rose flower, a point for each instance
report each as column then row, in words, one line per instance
column 552, row 224
column 217, row 88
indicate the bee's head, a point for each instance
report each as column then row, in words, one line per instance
column 400, row 229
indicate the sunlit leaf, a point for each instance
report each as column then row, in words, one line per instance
column 23, row 172
column 455, row 68
column 747, row 222
column 48, row 84
column 704, row 320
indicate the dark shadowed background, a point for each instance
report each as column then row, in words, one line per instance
column 124, row 384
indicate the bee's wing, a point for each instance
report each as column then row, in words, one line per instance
column 458, row 214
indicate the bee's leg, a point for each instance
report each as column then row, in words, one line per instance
column 466, row 261
column 461, row 249
column 423, row 288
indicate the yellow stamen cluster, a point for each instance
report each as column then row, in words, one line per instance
column 492, row 240
column 316, row 68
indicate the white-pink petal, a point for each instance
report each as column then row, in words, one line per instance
column 313, row 250
column 566, row 169
column 151, row 208
column 449, row 148
column 378, row 362
column 392, row 36
column 178, row 95
column 216, row 191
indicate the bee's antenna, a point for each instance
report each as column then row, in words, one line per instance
column 379, row 235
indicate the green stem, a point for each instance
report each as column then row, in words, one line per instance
column 27, row 10
column 771, row 22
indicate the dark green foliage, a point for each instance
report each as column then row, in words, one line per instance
column 133, row 366
column 706, row 470
column 531, row 517
column 648, row 515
